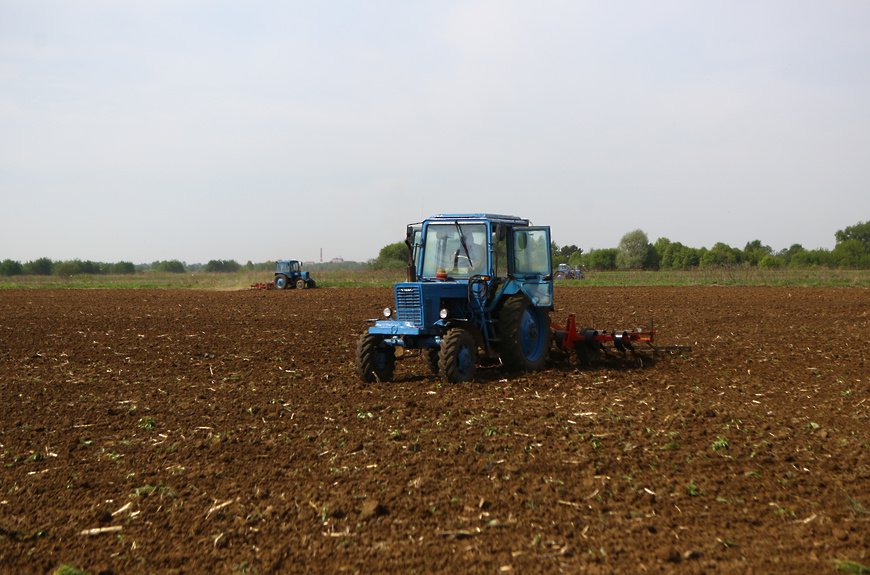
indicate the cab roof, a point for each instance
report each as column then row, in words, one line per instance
column 513, row 220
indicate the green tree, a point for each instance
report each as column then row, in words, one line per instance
column 669, row 254
column 804, row 259
column 661, row 246
column 391, row 256
column 89, row 267
column 721, row 254
column 40, row 267
column 633, row 251
column 222, row 266
column 851, row 254
column 860, row 232
column 568, row 250
column 755, row 251
column 601, row 260
column 563, row 255
column 170, row 266
column 556, row 255
column 121, row 268
column 786, row 255
column 66, row 268
column 11, row 268
column 576, row 259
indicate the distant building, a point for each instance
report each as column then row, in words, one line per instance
column 308, row 263
column 337, row 260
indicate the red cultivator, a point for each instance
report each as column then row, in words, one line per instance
column 589, row 343
column 270, row 285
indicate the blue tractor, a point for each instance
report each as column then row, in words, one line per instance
column 478, row 285
column 289, row 274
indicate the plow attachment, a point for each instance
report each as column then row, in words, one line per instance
column 589, row 343
column 270, row 285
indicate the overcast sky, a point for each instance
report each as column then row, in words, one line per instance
column 202, row 129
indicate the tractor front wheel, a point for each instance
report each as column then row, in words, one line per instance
column 524, row 330
column 375, row 361
column 430, row 358
column 281, row 282
column 458, row 356
column 300, row 283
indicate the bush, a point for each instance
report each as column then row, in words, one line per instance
column 770, row 261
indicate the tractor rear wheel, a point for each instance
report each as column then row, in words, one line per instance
column 559, row 276
column 524, row 330
column 458, row 356
column 300, row 283
column 281, row 282
column 375, row 361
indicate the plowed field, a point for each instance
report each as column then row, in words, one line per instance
column 196, row 431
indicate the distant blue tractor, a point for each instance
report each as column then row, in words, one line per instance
column 478, row 284
column 289, row 274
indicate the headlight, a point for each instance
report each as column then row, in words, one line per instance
column 443, row 313
column 387, row 312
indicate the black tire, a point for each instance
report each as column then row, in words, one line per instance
column 524, row 331
column 458, row 356
column 300, row 283
column 430, row 358
column 281, row 282
column 559, row 276
column 374, row 360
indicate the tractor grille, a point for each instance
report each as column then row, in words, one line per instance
column 408, row 305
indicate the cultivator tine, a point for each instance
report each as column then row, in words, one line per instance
column 622, row 341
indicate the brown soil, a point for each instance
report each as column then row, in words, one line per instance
column 227, row 432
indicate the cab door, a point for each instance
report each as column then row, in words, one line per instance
column 531, row 265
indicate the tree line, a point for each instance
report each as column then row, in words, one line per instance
column 635, row 252
column 48, row 267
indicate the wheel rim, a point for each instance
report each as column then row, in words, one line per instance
column 531, row 334
column 380, row 357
